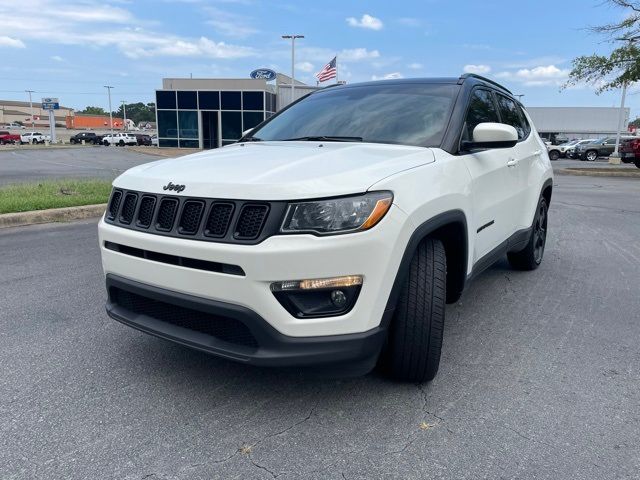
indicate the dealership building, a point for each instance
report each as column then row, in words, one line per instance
column 209, row 113
column 559, row 124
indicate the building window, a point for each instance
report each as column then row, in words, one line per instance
column 253, row 100
column 189, row 143
column 231, row 125
column 187, row 100
column 165, row 142
column 209, row 100
column 166, row 99
column 231, row 100
column 188, row 124
column 251, row 119
column 167, row 124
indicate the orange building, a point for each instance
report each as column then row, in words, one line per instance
column 81, row 121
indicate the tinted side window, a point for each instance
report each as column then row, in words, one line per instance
column 510, row 114
column 481, row 110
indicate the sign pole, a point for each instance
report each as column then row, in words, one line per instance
column 52, row 126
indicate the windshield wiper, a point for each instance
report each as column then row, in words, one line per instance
column 324, row 138
column 252, row 139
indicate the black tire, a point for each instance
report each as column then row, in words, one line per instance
column 412, row 351
column 554, row 155
column 530, row 257
column 591, row 155
column 105, row 143
column 121, row 143
column 73, row 141
column 637, row 163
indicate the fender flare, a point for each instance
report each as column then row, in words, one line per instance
column 419, row 234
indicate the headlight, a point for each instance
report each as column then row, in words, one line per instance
column 337, row 215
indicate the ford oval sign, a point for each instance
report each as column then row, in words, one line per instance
column 263, row 74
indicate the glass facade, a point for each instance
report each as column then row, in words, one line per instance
column 209, row 118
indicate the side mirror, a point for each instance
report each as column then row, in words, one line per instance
column 492, row 135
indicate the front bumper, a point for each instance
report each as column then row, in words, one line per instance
column 375, row 254
column 235, row 332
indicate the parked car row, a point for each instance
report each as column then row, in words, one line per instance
column 8, row 137
column 119, row 139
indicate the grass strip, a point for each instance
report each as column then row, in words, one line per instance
column 25, row 197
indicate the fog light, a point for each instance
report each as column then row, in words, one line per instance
column 323, row 297
column 338, row 298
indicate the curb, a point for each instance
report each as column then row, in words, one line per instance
column 66, row 214
column 598, row 173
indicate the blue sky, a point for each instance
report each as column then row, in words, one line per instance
column 70, row 49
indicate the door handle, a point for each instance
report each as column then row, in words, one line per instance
column 512, row 162
column 537, row 152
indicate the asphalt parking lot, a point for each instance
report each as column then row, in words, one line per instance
column 30, row 165
column 539, row 376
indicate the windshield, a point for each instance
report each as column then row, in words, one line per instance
column 408, row 114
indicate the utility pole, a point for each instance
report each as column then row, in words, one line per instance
column 109, row 87
column 293, row 63
column 124, row 110
column 614, row 159
column 31, row 109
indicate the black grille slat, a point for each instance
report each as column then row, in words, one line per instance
column 191, row 216
column 243, row 222
column 128, row 208
column 223, row 328
column 166, row 214
column 114, row 204
column 251, row 220
column 145, row 212
column 218, row 220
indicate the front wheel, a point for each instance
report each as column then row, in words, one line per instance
column 412, row 352
column 530, row 257
column 592, row 156
column 637, row 163
column 554, row 155
column 105, row 143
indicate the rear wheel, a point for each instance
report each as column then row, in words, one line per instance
column 121, row 143
column 530, row 257
column 105, row 143
column 412, row 352
column 592, row 156
column 637, row 163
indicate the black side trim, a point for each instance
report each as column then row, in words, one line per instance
column 485, row 226
column 176, row 260
column 355, row 352
column 514, row 243
column 428, row 227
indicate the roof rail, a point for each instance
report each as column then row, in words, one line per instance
column 484, row 79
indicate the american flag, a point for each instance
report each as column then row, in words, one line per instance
column 328, row 72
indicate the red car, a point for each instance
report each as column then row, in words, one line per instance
column 7, row 137
column 630, row 151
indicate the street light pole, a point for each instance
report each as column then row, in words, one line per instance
column 109, row 87
column 124, row 110
column 31, row 109
column 614, row 159
column 293, row 63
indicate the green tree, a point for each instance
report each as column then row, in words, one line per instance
column 139, row 112
column 622, row 65
column 94, row 111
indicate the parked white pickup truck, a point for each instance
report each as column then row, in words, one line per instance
column 120, row 139
column 34, row 138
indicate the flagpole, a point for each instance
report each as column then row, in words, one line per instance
column 336, row 69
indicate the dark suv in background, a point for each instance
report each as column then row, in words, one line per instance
column 88, row 137
column 603, row 147
column 142, row 138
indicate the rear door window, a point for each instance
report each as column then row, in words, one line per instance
column 511, row 115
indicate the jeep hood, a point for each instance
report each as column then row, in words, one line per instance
column 277, row 170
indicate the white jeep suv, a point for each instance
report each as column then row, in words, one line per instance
column 119, row 139
column 333, row 234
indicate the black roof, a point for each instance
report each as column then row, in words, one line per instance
column 467, row 77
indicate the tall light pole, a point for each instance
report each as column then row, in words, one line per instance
column 614, row 159
column 124, row 110
column 109, row 87
column 293, row 63
column 31, row 109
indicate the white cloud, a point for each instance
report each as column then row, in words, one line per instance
column 388, row 76
column 86, row 22
column 11, row 42
column 366, row 21
column 229, row 24
column 57, row 58
column 305, row 66
column 356, row 54
column 479, row 69
column 415, row 66
column 409, row 22
column 540, row 76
